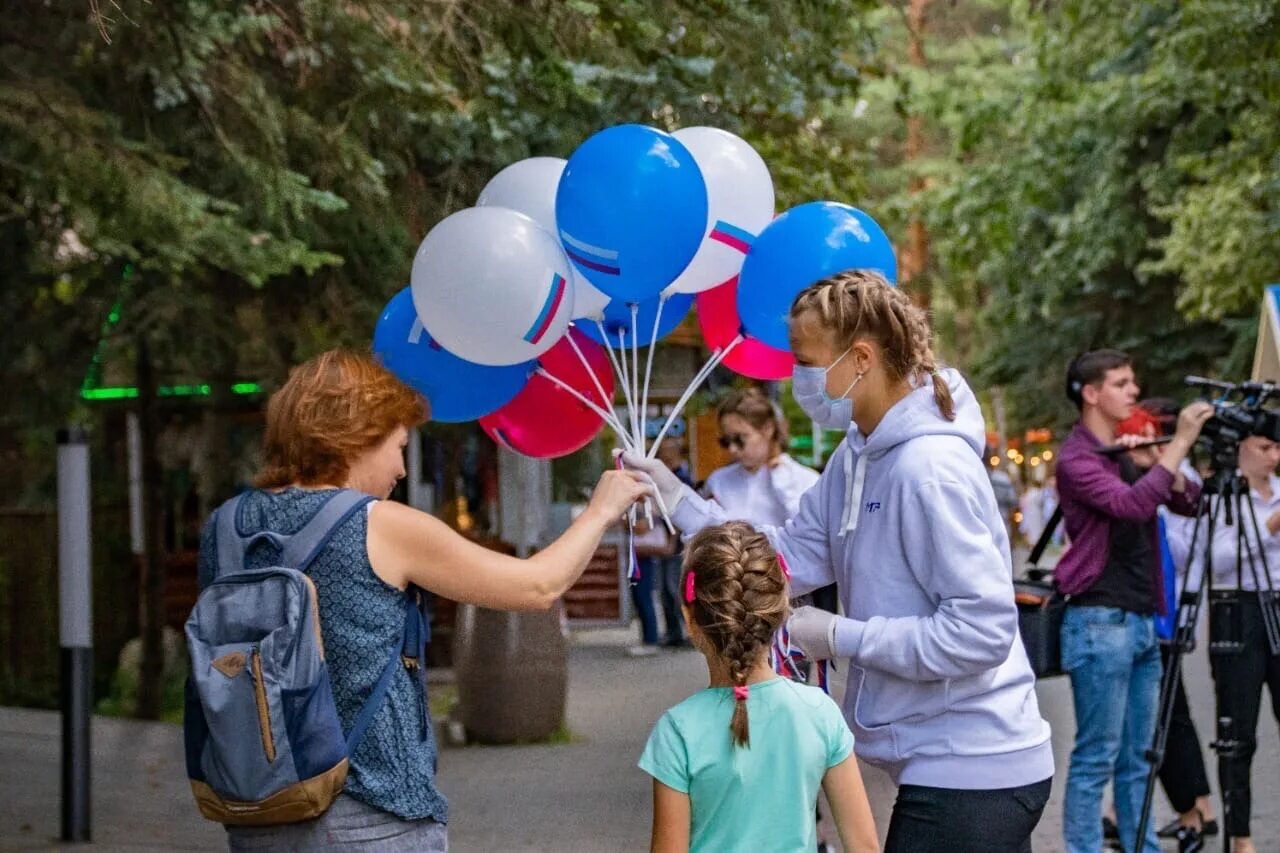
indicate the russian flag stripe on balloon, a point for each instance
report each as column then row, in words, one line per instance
column 732, row 236
column 591, row 257
column 549, row 308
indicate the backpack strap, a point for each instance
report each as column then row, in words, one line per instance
column 1046, row 536
column 305, row 545
column 298, row 549
column 230, row 546
column 379, row 694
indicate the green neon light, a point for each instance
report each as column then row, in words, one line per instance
column 94, row 374
column 89, row 389
column 124, row 392
column 108, row 393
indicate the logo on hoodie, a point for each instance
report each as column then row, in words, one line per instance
column 873, row 506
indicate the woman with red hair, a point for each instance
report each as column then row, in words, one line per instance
column 342, row 421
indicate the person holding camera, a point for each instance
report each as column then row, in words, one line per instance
column 1238, row 674
column 1113, row 580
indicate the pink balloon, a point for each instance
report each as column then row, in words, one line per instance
column 544, row 420
column 718, row 317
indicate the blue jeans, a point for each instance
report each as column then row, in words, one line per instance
column 1113, row 659
column 642, row 598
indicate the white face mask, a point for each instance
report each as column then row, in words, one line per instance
column 809, row 387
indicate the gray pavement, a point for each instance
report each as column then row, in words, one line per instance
column 586, row 795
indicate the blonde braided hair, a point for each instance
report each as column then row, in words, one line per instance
column 862, row 304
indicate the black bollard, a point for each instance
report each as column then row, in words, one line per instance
column 75, row 612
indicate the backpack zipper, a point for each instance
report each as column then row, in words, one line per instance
column 264, row 713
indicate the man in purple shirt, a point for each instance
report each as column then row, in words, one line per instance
column 1114, row 585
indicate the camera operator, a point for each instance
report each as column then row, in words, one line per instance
column 1238, row 677
column 1113, row 579
column 1182, row 773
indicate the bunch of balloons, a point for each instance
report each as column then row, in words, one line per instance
column 529, row 310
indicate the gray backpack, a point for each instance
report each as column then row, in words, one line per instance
column 264, row 744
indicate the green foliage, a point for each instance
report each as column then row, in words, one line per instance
column 267, row 168
column 1110, row 180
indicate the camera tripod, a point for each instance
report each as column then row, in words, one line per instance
column 1233, row 506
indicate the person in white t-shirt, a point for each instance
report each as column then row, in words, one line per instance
column 763, row 485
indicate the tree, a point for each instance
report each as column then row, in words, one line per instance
column 264, row 169
column 1109, row 185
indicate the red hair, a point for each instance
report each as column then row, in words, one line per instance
column 332, row 408
column 1137, row 423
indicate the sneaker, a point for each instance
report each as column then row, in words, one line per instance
column 642, row 651
column 1170, row 829
column 1189, row 841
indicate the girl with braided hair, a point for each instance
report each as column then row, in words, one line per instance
column 904, row 521
column 737, row 766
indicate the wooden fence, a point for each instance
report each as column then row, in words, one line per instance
column 29, row 646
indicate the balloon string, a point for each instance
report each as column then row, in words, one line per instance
column 618, row 368
column 609, row 417
column 626, row 381
column 648, row 372
column 635, row 372
column 694, row 384
column 605, row 399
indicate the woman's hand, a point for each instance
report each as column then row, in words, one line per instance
column 616, row 492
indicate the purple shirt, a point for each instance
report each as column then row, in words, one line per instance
column 1092, row 492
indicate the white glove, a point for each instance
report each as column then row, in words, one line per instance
column 813, row 631
column 669, row 487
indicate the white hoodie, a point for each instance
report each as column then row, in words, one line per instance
column 940, row 692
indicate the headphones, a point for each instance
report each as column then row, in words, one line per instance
column 1075, row 387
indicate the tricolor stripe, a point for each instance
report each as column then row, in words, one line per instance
column 501, row 435
column 589, row 256
column 732, row 236
column 555, row 295
column 417, row 330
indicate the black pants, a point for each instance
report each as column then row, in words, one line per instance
column 948, row 820
column 1182, row 775
column 1237, row 680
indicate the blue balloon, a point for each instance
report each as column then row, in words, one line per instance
column 631, row 209
column 458, row 390
column 617, row 317
column 802, row 246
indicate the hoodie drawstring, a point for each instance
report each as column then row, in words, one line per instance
column 855, row 476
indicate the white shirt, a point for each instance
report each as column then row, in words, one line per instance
column 768, row 496
column 1180, row 532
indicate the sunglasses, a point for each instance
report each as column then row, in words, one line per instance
column 735, row 440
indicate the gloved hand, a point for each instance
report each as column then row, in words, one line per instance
column 813, row 631
column 670, row 489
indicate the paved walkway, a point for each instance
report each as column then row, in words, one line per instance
column 585, row 796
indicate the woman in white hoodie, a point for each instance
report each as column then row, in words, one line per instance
column 903, row 520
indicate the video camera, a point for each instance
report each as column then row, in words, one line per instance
column 1237, row 414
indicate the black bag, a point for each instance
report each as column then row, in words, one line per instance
column 1040, row 609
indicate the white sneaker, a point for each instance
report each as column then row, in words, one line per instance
column 642, row 651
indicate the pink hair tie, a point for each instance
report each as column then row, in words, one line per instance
column 740, row 692
column 782, row 564
column 688, row 588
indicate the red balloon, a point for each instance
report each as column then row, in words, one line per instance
column 544, row 420
column 718, row 317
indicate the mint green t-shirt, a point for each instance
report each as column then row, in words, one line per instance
column 757, row 798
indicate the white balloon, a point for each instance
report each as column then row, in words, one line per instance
column 529, row 186
column 492, row 286
column 739, row 206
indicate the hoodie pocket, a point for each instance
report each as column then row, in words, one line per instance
column 894, row 718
